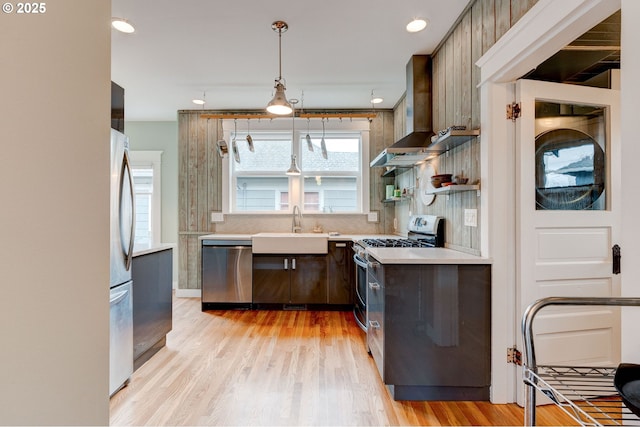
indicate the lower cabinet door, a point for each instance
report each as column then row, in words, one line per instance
column 270, row 279
column 341, row 272
column 308, row 279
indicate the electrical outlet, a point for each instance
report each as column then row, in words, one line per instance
column 372, row 216
column 217, row 217
column 395, row 224
column 471, row 217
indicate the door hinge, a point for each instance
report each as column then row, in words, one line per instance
column 513, row 111
column 514, row 356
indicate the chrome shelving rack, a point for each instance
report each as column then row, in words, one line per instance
column 585, row 393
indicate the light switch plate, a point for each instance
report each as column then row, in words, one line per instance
column 372, row 216
column 217, row 217
column 471, row 217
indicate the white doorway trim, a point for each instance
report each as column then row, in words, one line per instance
column 545, row 29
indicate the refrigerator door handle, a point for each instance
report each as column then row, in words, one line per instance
column 126, row 169
column 117, row 297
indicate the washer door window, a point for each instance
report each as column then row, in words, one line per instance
column 570, row 157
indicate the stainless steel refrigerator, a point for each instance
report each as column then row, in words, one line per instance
column 122, row 237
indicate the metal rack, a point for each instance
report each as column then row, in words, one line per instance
column 585, row 393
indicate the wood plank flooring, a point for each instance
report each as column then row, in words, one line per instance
column 280, row 368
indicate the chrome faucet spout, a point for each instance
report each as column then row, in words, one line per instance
column 296, row 220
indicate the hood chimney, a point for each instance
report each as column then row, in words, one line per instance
column 418, row 132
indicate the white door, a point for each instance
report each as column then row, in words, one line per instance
column 568, row 214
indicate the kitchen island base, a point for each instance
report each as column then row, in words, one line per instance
column 149, row 353
column 429, row 329
column 152, row 272
column 413, row 392
column 303, row 307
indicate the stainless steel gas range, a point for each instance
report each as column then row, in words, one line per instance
column 423, row 231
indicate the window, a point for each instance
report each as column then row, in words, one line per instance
column 146, row 172
column 258, row 182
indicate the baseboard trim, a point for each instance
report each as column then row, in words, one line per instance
column 188, row 293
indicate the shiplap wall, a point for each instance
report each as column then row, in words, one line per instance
column 456, row 101
column 200, row 191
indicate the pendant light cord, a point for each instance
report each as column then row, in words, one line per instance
column 279, row 54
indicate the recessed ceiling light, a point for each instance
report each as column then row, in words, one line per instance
column 122, row 25
column 375, row 99
column 199, row 101
column 416, row 25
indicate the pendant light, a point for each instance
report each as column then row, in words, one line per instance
column 249, row 139
column 279, row 104
column 323, row 145
column 293, row 169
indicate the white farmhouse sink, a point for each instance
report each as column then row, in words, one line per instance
column 290, row 243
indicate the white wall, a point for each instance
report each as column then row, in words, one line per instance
column 630, row 245
column 54, row 217
column 161, row 136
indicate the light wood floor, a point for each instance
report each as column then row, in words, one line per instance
column 280, row 368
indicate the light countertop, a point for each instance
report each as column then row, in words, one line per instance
column 389, row 255
column 425, row 256
column 226, row 237
column 352, row 237
column 148, row 249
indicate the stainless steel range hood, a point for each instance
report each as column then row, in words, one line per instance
column 411, row 149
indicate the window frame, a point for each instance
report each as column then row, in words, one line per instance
column 333, row 127
column 151, row 159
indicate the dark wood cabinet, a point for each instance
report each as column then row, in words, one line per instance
column 430, row 329
column 289, row 279
column 340, row 285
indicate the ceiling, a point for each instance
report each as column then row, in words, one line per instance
column 586, row 58
column 334, row 53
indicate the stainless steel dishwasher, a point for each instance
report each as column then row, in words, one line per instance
column 226, row 274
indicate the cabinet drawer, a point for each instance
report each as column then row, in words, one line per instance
column 375, row 339
column 375, row 321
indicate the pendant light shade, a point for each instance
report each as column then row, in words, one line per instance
column 293, row 169
column 279, row 104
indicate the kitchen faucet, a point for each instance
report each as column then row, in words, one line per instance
column 296, row 222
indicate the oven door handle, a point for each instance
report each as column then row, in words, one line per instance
column 359, row 261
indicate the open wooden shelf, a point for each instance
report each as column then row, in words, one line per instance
column 454, row 189
column 451, row 140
